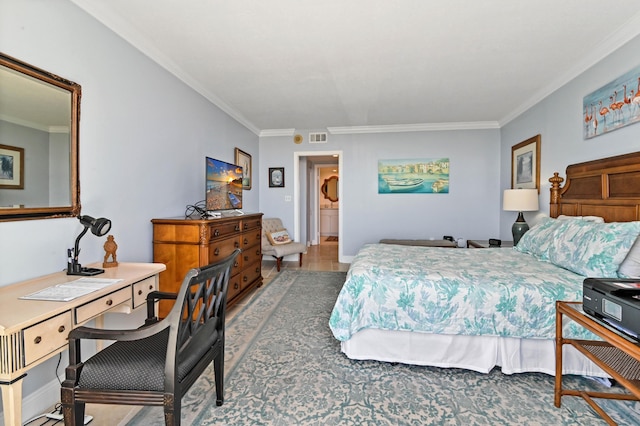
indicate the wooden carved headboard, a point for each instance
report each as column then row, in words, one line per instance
column 609, row 187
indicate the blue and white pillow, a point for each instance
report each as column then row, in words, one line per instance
column 592, row 249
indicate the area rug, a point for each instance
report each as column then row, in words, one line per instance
column 284, row 367
column 332, row 238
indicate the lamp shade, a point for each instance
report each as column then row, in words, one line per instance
column 520, row 200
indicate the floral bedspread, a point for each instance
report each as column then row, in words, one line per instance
column 497, row 292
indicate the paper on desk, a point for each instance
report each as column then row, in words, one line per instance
column 70, row 290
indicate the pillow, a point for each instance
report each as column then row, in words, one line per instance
column 536, row 240
column 592, row 249
column 279, row 237
column 630, row 266
column 597, row 219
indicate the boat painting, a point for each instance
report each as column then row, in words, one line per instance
column 421, row 176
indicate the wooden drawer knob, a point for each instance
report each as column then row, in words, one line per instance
column 235, row 264
column 150, row 286
column 236, row 286
column 246, row 241
column 245, row 278
column 236, row 244
column 216, row 252
column 37, row 340
column 139, row 292
column 109, row 302
column 61, row 329
column 237, row 228
column 216, row 233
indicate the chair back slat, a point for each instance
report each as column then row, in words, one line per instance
column 201, row 299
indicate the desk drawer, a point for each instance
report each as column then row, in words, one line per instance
column 99, row 306
column 251, row 238
column 141, row 289
column 46, row 337
column 251, row 223
column 251, row 255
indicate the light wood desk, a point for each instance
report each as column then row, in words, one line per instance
column 32, row 331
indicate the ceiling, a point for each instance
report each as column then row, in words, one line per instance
column 367, row 65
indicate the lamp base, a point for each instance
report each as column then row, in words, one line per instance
column 519, row 228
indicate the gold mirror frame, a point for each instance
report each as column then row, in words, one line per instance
column 24, row 211
column 330, row 188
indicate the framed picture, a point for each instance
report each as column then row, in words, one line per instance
column 276, row 177
column 525, row 164
column 11, row 167
column 244, row 160
column 414, row 176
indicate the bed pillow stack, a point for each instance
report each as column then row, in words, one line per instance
column 585, row 247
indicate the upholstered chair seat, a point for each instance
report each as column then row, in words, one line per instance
column 279, row 251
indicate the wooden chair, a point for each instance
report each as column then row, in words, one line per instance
column 157, row 363
column 270, row 225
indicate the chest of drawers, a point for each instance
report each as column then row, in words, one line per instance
column 182, row 244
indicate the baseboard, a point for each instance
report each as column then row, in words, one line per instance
column 38, row 402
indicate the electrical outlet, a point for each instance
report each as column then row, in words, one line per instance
column 287, row 198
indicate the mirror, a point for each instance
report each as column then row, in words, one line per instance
column 39, row 121
column 330, row 188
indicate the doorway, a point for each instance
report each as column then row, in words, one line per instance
column 307, row 193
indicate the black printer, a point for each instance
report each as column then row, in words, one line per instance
column 614, row 301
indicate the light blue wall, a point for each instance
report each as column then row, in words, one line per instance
column 143, row 139
column 559, row 121
column 469, row 210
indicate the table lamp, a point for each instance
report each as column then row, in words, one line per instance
column 99, row 227
column 520, row 200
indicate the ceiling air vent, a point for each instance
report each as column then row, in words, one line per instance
column 320, row 137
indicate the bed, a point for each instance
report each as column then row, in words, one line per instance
column 478, row 309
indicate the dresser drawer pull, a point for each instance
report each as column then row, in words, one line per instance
column 109, row 302
column 236, row 286
column 37, row 340
column 237, row 228
column 246, row 258
column 216, row 233
column 61, row 329
column 235, row 264
column 258, row 251
column 150, row 286
column 257, row 269
column 236, row 244
column 246, row 241
column 245, row 278
column 216, row 251
column 139, row 292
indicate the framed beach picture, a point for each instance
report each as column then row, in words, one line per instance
column 276, row 177
column 11, row 167
column 415, row 176
column 525, row 164
column 244, row 160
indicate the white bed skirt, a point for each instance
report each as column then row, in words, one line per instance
column 478, row 353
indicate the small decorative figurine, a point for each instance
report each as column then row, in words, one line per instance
column 110, row 248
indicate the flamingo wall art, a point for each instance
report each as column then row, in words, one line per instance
column 614, row 105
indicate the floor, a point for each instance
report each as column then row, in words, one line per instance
column 322, row 257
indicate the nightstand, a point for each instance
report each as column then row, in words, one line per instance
column 485, row 244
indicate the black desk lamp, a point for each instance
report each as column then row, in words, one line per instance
column 99, row 227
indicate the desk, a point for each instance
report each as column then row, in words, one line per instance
column 32, row 331
column 617, row 355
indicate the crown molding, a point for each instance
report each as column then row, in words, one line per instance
column 147, row 48
column 268, row 133
column 419, row 127
column 596, row 54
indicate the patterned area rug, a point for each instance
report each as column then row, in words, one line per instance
column 283, row 367
column 332, row 238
